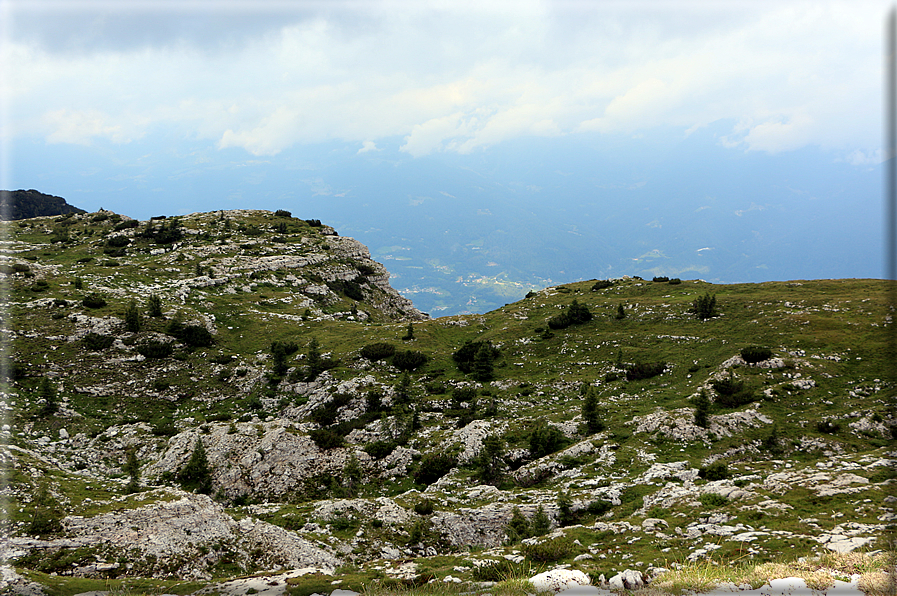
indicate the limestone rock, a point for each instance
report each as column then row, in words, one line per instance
column 630, row 579
column 167, row 530
column 558, row 580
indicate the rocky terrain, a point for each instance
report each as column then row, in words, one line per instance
column 198, row 398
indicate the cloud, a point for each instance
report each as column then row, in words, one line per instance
column 858, row 157
column 81, row 128
column 446, row 77
column 367, row 146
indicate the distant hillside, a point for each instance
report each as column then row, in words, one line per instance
column 25, row 204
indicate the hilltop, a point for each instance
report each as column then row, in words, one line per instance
column 25, row 204
column 225, row 393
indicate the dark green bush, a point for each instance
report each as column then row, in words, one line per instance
column 94, row 300
column 661, row 279
column 433, row 466
column 549, row 551
column 728, row 385
column 592, row 412
column 155, row 349
column 40, row 285
column 702, row 409
column 326, row 414
column 46, row 517
column 704, row 307
column 327, row 439
column 126, row 224
column 574, row 314
column 424, row 507
column 466, row 355
column 675, row 281
column 196, row 475
column 500, row 570
column 599, row 507
column 715, row 471
column 282, row 213
column 490, row 463
column 713, row 500
column 546, row 439
column 380, row 449
column 154, row 305
column 732, row 392
column 164, row 429
column 118, row 242
column 96, row 342
column 753, row 354
column 195, row 336
column 644, row 370
column 407, row 360
column 378, row 351
column 828, row 427
column 602, row 284
column 350, row 288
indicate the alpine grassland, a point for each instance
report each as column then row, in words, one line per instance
column 243, row 395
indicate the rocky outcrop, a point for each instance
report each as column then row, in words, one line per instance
column 264, row 458
column 190, row 533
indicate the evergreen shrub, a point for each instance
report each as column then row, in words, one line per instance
column 754, row 354
column 94, row 300
column 644, row 370
column 378, row 351
column 96, row 342
column 406, row 360
column 433, row 466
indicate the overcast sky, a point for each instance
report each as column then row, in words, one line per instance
column 453, row 76
column 448, row 129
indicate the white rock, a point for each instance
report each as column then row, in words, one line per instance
column 558, row 580
column 631, row 579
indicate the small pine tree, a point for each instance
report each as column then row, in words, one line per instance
column 132, row 469
column 132, row 317
column 518, row 528
column 313, row 357
column 704, row 307
column 482, row 363
column 409, row 335
column 196, row 475
column 540, row 524
column 48, row 393
column 579, row 313
column 702, row 409
column 490, row 462
column 621, row 312
column 45, row 515
column 403, row 395
column 154, row 305
column 352, row 474
column 591, row 412
column 566, row 515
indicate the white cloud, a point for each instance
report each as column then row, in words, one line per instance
column 367, row 146
column 463, row 76
column 81, row 128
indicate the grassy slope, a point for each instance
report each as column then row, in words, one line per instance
column 832, row 331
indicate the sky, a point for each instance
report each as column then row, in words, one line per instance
column 407, row 123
